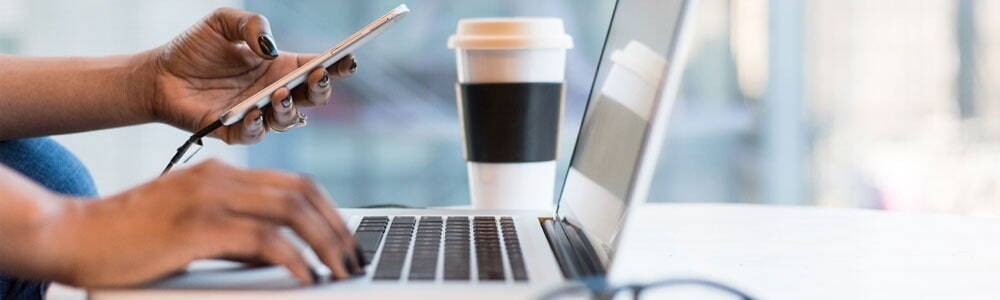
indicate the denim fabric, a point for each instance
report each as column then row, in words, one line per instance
column 49, row 164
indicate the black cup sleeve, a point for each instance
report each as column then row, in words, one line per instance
column 510, row 122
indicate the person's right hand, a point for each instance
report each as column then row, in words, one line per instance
column 210, row 210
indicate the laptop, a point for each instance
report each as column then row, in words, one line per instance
column 506, row 254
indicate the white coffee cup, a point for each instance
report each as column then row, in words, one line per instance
column 510, row 144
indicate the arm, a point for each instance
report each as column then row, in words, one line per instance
column 207, row 211
column 27, row 213
column 186, row 83
column 45, row 96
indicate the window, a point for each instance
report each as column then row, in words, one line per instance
column 876, row 104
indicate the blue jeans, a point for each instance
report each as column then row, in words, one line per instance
column 49, row 164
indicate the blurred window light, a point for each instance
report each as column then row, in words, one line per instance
column 896, row 111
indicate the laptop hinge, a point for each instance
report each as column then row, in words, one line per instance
column 574, row 253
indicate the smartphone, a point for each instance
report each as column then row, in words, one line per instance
column 327, row 58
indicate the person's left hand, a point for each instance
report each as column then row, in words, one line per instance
column 224, row 58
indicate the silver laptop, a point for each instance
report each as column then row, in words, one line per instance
column 506, row 254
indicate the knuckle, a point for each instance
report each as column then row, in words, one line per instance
column 318, row 92
column 200, row 192
column 284, row 119
column 266, row 238
column 305, row 182
column 293, row 204
column 199, row 168
column 324, row 100
column 221, row 12
column 206, row 202
column 252, row 134
column 210, row 164
column 334, row 254
column 259, row 17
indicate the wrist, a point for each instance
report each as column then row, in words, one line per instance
column 142, row 86
column 52, row 239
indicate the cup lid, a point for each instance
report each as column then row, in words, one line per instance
column 510, row 33
column 641, row 60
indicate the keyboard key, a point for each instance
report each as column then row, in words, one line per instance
column 423, row 260
column 393, row 256
column 488, row 253
column 404, row 220
column 378, row 229
column 369, row 234
column 456, row 249
column 513, row 246
column 368, row 241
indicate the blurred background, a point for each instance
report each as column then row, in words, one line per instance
column 846, row 103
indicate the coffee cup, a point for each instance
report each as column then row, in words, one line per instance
column 511, row 74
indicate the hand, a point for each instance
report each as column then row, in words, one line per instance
column 223, row 59
column 210, row 210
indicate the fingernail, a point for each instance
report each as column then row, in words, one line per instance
column 354, row 67
column 361, row 256
column 267, row 45
column 258, row 120
column 324, row 82
column 352, row 268
column 314, row 276
column 287, row 102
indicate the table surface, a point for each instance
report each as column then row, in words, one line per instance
column 781, row 252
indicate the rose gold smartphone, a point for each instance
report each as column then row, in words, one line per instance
column 327, row 58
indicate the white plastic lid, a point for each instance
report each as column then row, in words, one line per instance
column 511, row 33
column 641, row 60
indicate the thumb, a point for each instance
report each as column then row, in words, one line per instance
column 243, row 26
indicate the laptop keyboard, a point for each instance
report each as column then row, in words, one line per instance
column 421, row 239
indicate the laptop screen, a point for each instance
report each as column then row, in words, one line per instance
column 606, row 170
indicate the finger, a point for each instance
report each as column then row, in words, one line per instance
column 319, row 87
column 250, row 240
column 250, row 130
column 240, row 25
column 317, row 197
column 288, row 207
column 320, row 198
column 252, row 261
column 345, row 67
column 283, row 113
column 278, row 250
column 321, row 201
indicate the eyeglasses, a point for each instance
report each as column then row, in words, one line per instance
column 598, row 288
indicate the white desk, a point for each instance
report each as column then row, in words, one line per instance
column 815, row 253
